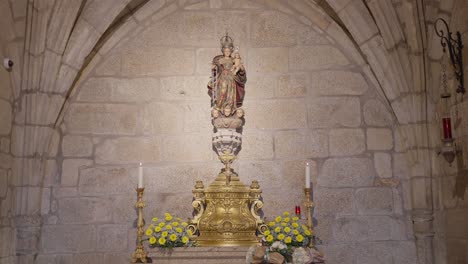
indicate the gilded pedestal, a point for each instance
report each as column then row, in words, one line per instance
column 230, row 212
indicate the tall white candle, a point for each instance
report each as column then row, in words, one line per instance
column 307, row 179
column 140, row 176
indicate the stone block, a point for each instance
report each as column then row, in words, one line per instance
column 179, row 178
column 404, row 252
column 323, row 226
column 334, row 201
column 102, row 118
column 129, row 150
column 81, row 210
column 238, row 23
column 71, row 169
column 118, row 258
column 191, row 147
column 165, row 117
column 379, row 139
column 258, row 170
column 185, row 87
column 333, row 83
column 293, row 172
column 5, row 161
column 80, row 43
column 346, row 142
column 374, row 252
column 256, row 145
column 363, row 228
column 3, row 183
column 196, row 116
column 68, row 238
column 110, row 66
column 150, row 8
column 192, row 28
column 65, row 192
column 5, row 145
column 100, row 14
column 46, row 117
column 6, row 234
column 106, row 180
column 292, row 85
column 262, row 86
column 205, row 58
column 49, row 71
column 25, row 171
column 123, row 208
column 300, row 144
column 276, row 29
column 119, row 90
column 88, row 258
column 374, row 201
column 338, row 253
column 268, row 60
column 455, row 224
column 157, row 61
column 76, row 146
column 6, row 117
column 383, row 164
column 62, row 20
column 66, row 77
column 18, row 8
column 112, row 237
column 346, row 172
column 310, row 58
column 334, row 111
column 279, row 114
column 377, row 114
column 6, row 22
column 360, row 21
column 6, row 90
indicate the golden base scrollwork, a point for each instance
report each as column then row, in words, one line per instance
column 227, row 212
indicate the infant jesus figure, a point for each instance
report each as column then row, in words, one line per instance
column 237, row 61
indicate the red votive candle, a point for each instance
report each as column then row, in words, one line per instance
column 298, row 210
column 447, row 126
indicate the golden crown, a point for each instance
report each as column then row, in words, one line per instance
column 226, row 42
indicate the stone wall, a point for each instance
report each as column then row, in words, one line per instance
column 12, row 21
column 452, row 181
column 307, row 99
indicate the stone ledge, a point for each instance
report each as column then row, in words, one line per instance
column 206, row 255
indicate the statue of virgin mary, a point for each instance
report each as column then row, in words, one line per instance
column 227, row 84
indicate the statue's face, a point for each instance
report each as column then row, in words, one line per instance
column 237, row 56
column 227, row 111
column 227, row 52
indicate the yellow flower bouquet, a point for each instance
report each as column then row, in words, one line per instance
column 285, row 233
column 168, row 232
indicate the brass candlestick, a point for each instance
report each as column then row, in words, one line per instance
column 309, row 205
column 140, row 256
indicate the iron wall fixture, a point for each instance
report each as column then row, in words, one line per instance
column 454, row 46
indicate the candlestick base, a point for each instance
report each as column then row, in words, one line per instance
column 139, row 255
